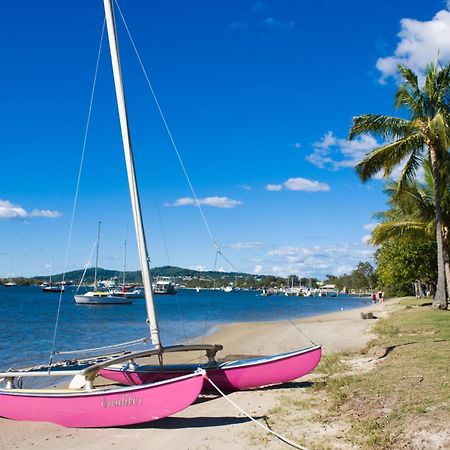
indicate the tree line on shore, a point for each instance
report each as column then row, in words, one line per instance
column 362, row 278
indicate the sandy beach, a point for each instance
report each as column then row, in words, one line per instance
column 212, row 422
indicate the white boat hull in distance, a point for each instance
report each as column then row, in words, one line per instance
column 87, row 299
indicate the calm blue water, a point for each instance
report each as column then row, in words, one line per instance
column 27, row 318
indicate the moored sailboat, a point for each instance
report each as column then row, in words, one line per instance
column 10, row 283
column 104, row 406
column 100, row 295
column 51, row 287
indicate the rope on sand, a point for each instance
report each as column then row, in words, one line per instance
column 264, row 427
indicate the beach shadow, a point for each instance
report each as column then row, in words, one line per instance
column 289, row 385
column 391, row 348
column 207, row 398
column 172, row 423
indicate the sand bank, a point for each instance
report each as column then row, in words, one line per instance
column 212, row 423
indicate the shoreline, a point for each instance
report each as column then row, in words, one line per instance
column 217, row 328
column 212, row 422
column 305, row 328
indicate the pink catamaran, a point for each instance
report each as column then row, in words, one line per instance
column 102, row 406
column 153, row 391
column 227, row 376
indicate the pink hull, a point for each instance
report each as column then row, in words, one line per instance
column 123, row 406
column 245, row 374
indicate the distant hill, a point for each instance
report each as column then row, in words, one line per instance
column 135, row 276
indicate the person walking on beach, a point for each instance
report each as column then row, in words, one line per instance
column 374, row 297
column 380, row 295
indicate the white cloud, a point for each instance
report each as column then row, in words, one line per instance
column 218, row 202
column 297, row 145
column 341, row 270
column 420, row 43
column 303, row 184
column 45, row 213
column 9, row 210
column 258, row 6
column 258, row 268
column 235, row 25
column 299, row 184
column 270, row 22
column 317, row 261
column 274, row 187
column 245, row 245
column 334, row 153
column 246, row 187
column 365, row 239
column 369, row 226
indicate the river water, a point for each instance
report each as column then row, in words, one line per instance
column 28, row 316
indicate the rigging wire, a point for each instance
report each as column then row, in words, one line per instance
column 87, row 266
column 183, row 167
column 163, row 235
column 75, row 201
column 143, row 340
column 264, row 427
column 169, row 133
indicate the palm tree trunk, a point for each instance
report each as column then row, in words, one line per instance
column 440, row 296
column 446, row 258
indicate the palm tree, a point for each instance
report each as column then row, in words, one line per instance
column 412, row 214
column 424, row 134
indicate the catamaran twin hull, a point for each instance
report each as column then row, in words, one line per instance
column 101, row 407
column 228, row 376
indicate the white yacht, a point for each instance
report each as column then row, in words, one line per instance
column 164, row 285
column 101, row 297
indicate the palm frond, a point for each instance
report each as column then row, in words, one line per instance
column 404, row 97
column 440, row 133
column 443, row 85
column 406, row 229
column 384, row 126
column 430, row 90
column 388, row 156
column 409, row 171
column 428, row 175
column 409, row 94
column 410, row 78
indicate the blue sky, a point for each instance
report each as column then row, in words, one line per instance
column 259, row 96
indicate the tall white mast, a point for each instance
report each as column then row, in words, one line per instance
column 96, row 255
column 135, row 203
column 124, row 259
